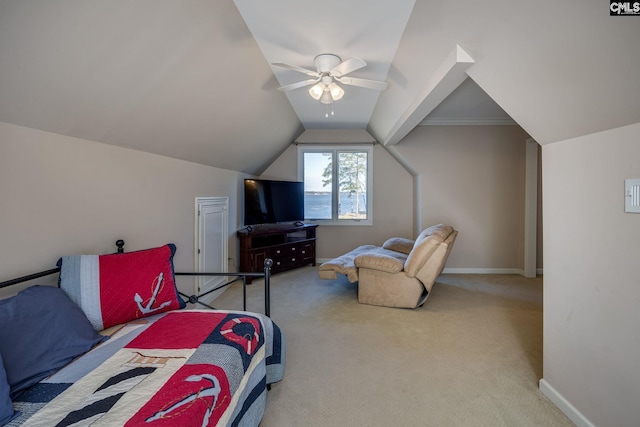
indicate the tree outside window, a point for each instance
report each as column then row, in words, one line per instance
column 337, row 184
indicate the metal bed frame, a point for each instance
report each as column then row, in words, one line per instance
column 193, row 299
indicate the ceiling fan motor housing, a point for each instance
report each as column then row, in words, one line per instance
column 326, row 62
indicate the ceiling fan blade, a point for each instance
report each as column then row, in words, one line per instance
column 369, row 84
column 347, row 67
column 296, row 68
column 297, row 85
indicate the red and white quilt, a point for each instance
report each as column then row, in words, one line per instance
column 182, row 368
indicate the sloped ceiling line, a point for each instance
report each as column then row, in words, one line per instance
column 444, row 81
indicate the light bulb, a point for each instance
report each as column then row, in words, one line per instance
column 336, row 91
column 316, row 91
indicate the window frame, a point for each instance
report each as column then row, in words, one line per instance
column 335, row 150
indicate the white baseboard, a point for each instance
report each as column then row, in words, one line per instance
column 466, row 270
column 564, row 405
column 487, row 271
column 483, row 271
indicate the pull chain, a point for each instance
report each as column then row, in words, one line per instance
column 326, row 113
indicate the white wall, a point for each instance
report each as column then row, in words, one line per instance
column 473, row 178
column 592, row 278
column 63, row 195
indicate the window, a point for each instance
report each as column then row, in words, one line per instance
column 337, row 184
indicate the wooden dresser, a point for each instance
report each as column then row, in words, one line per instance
column 289, row 246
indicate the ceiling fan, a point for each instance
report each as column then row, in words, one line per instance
column 329, row 70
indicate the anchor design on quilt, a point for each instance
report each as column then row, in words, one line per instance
column 213, row 391
column 148, row 308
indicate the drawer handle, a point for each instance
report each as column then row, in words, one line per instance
column 304, row 252
column 293, row 249
column 293, row 259
column 277, row 262
column 278, row 251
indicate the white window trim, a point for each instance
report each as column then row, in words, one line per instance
column 333, row 147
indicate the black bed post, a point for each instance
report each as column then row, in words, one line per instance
column 267, row 291
column 120, row 245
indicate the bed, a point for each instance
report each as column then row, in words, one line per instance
column 114, row 345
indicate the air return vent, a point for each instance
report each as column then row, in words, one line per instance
column 632, row 195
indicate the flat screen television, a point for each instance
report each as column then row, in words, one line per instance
column 270, row 202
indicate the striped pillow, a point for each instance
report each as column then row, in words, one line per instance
column 117, row 288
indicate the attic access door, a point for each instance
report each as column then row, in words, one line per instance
column 211, row 243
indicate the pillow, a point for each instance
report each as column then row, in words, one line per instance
column 6, row 407
column 42, row 330
column 117, row 288
column 399, row 244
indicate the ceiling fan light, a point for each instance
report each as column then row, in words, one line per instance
column 326, row 97
column 316, row 91
column 336, row 91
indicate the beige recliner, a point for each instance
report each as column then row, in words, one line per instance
column 400, row 273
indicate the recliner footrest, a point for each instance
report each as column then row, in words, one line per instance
column 344, row 264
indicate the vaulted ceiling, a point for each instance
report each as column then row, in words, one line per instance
column 296, row 32
column 193, row 79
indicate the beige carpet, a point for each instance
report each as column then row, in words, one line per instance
column 471, row 356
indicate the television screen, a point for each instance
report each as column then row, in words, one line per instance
column 269, row 202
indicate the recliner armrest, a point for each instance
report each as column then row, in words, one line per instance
column 381, row 262
column 399, row 244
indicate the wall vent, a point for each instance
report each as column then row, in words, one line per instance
column 632, row 195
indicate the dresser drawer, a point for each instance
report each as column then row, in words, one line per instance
column 291, row 249
column 292, row 254
column 285, row 263
column 307, row 251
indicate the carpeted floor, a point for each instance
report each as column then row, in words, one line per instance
column 471, row 356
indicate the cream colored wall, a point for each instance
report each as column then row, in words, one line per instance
column 473, row 178
column 392, row 205
column 63, row 195
column 591, row 276
column 284, row 167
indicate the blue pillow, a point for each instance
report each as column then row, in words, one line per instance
column 6, row 407
column 42, row 330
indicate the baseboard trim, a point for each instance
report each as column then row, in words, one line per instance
column 466, row 270
column 564, row 405
column 483, row 271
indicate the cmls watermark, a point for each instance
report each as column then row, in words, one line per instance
column 619, row 8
